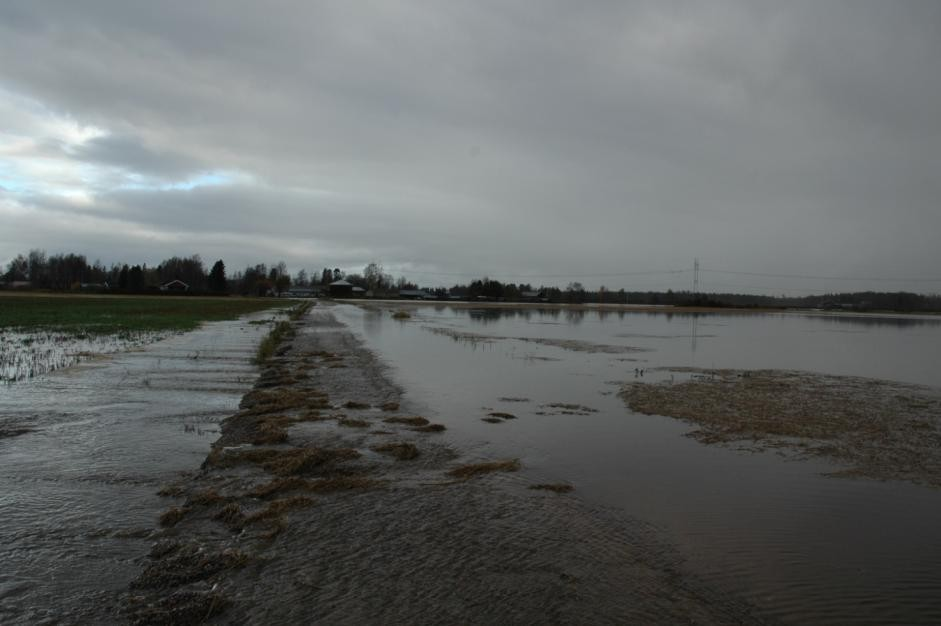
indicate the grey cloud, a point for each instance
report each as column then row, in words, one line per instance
column 797, row 138
column 131, row 154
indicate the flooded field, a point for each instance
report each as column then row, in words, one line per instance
column 26, row 354
column 772, row 526
column 83, row 453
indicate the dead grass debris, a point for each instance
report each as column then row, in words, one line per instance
column 306, row 460
column 430, row 428
column 882, row 429
column 172, row 516
column 400, row 450
column 555, row 487
column 350, row 422
column 186, row 564
column 409, row 421
column 279, row 507
column 474, row 470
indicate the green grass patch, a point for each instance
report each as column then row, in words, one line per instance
column 279, row 332
column 114, row 315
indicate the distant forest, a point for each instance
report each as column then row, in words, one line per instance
column 72, row 272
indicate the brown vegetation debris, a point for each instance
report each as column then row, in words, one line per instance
column 564, row 408
column 305, row 460
column 430, row 428
column 410, row 421
column 353, row 405
column 501, row 414
column 278, row 507
column 390, row 406
column 512, row 399
column 400, row 450
column 270, row 431
column 205, row 498
column 170, row 491
column 338, row 482
column 479, row 469
column 172, row 516
column 492, row 420
column 223, row 457
column 341, row 483
column 187, row 564
column 262, row 401
column 883, row 429
column 184, row 606
column 349, row 422
column 231, row 515
column 556, row 487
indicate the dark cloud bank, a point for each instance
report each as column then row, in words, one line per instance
column 487, row 137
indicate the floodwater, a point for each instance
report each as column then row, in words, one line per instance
column 26, row 354
column 800, row 546
column 78, row 489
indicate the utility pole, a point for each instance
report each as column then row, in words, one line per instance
column 696, row 276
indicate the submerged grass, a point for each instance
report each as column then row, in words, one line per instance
column 479, row 469
column 305, row 460
column 350, row 422
column 172, row 516
column 556, row 487
column 430, row 428
column 401, row 451
column 278, row 507
column 268, row 345
column 410, row 421
column 883, row 429
column 186, row 564
column 322, row 485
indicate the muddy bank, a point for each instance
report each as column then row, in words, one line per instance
column 326, row 499
column 879, row 429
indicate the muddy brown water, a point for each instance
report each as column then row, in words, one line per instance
column 78, row 484
column 799, row 545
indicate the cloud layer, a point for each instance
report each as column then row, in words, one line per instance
column 500, row 138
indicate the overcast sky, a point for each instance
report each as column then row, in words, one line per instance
column 534, row 141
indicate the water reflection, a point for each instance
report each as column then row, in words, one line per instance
column 802, row 547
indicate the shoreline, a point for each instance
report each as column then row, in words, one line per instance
column 305, row 511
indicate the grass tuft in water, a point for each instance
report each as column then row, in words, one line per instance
column 410, row 421
column 401, row 451
column 556, row 487
column 479, row 469
column 172, row 516
column 430, row 428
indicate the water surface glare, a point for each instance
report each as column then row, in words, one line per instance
column 78, row 491
column 803, row 547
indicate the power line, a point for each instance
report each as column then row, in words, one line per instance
column 586, row 275
column 809, row 277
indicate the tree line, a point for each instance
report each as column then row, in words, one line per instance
column 70, row 271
